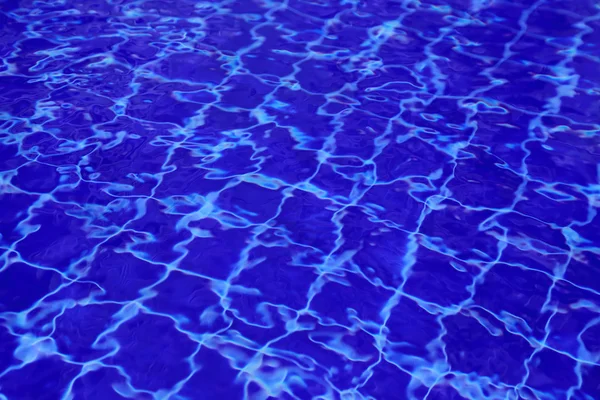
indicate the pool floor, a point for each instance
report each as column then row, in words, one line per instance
column 299, row 199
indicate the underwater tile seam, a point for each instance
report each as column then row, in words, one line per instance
column 299, row 199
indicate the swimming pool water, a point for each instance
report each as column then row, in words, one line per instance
column 292, row 199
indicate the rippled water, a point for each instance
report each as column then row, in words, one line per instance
column 299, row 199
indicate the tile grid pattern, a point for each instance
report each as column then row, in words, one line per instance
column 299, row 199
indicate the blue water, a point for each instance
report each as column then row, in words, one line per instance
column 290, row 199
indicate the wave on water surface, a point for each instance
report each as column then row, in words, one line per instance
column 299, row 199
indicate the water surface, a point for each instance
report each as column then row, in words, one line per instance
column 299, row 199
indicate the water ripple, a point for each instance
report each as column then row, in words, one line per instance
column 299, row 199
